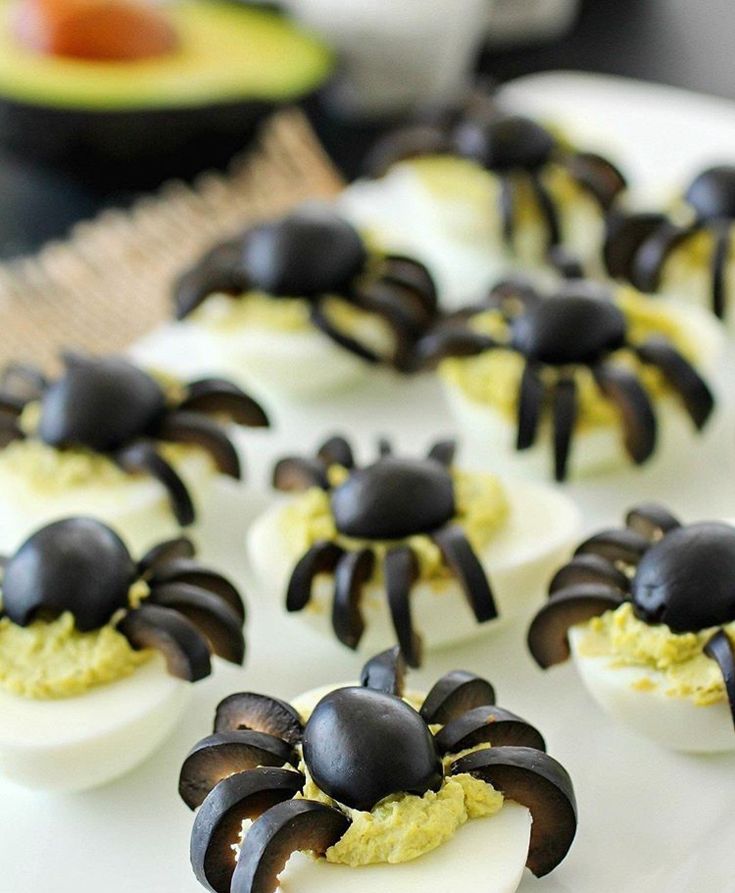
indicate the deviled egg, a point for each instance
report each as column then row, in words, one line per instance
column 360, row 551
column 648, row 614
column 97, row 651
column 109, row 440
column 381, row 787
column 591, row 375
column 303, row 305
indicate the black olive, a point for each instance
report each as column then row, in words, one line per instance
column 687, row 580
column 362, row 745
column 100, row 404
column 712, row 193
column 394, row 498
column 76, row 565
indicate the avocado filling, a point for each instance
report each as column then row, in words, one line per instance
column 685, row 671
column 493, row 378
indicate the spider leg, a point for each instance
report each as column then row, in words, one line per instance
column 450, row 342
column 530, row 405
column 353, row 570
column 719, row 270
column 219, row 396
column 184, row 570
column 548, row 209
column 193, row 428
column 465, row 565
column 210, row 614
column 385, row 447
column 320, row 318
column 163, row 553
column 681, row 376
column 401, row 572
column 547, row 635
column 597, row 175
column 337, row 451
column 415, row 277
column 651, row 520
column 443, row 451
column 142, row 457
column 588, row 568
column 720, row 649
column 617, row 545
column 565, row 410
column 296, row 473
column 487, row 724
column 321, row 558
column 185, row 648
column 218, row 271
column 507, row 201
column 630, row 398
column 650, row 258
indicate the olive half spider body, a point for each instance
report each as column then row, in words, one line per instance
column 357, row 745
column 387, row 501
column 316, row 255
column 110, row 406
column 579, row 326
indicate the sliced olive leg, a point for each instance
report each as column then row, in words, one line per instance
column 719, row 270
column 398, row 308
column 465, row 565
column 225, row 753
column 634, row 405
column 221, row 397
column 320, row 318
column 142, row 457
column 530, row 404
column 385, row 672
column 598, row 176
column 180, row 642
column 181, row 547
column 507, row 201
column 681, row 376
column 321, row 558
column 720, row 649
column 385, row 447
column 487, row 725
column 209, row 613
column 353, row 571
column 412, row 274
column 184, row 570
column 651, row 520
column 289, row 827
column 590, row 568
column 401, row 572
column 217, row 272
column 619, row 544
column 248, row 710
column 649, row 260
column 541, row 784
column 547, row 635
column 625, row 235
column 565, row 418
column 548, row 209
column 192, row 428
column 444, row 452
column 218, row 824
column 337, row 451
column 454, row 694
column 442, row 344
column 295, row 474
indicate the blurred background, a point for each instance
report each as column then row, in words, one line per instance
column 389, row 55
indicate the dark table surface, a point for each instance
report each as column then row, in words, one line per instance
column 677, row 42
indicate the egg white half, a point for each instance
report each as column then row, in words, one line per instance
column 537, row 536
column 676, row 723
column 72, row 744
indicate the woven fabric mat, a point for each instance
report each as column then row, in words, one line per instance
column 109, row 282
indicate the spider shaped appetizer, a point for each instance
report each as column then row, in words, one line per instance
column 312, row 777
column 377, row 509
column 516, row 149
column 577, row 345
column 81, row 566
column 641, row 247
column 315, row 255
column 109, row 406
column 663, row 650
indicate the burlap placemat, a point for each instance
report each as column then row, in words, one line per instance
column 108, row 283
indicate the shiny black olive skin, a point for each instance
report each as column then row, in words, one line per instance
column 570, row 328
column 394, row 498
column 76, row 565
column 687, row 580
column 311, row 252
column 712, row 193
column 504, row 142
column 362, row 745
column 100, row 404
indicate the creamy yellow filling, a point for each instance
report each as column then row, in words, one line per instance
column 686, row 672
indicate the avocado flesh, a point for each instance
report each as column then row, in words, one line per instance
column 227, row 54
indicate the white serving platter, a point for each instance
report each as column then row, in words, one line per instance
column 650, row 821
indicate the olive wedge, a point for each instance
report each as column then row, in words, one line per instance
column 289, row 827
column 547, row 635
column 295, row 474
column 585, row 569
column 385, row 672
column 538, row 782
column 180, row 547
column 651, row 520
column 218, row 823
column 218, row 396
column 488, row 725
column 616, row 545
column 193, row 428
column 260, row 713
column 454, row 694
column 184, row 570
column 224, row 753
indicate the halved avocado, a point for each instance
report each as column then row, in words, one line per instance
column 161, row 116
